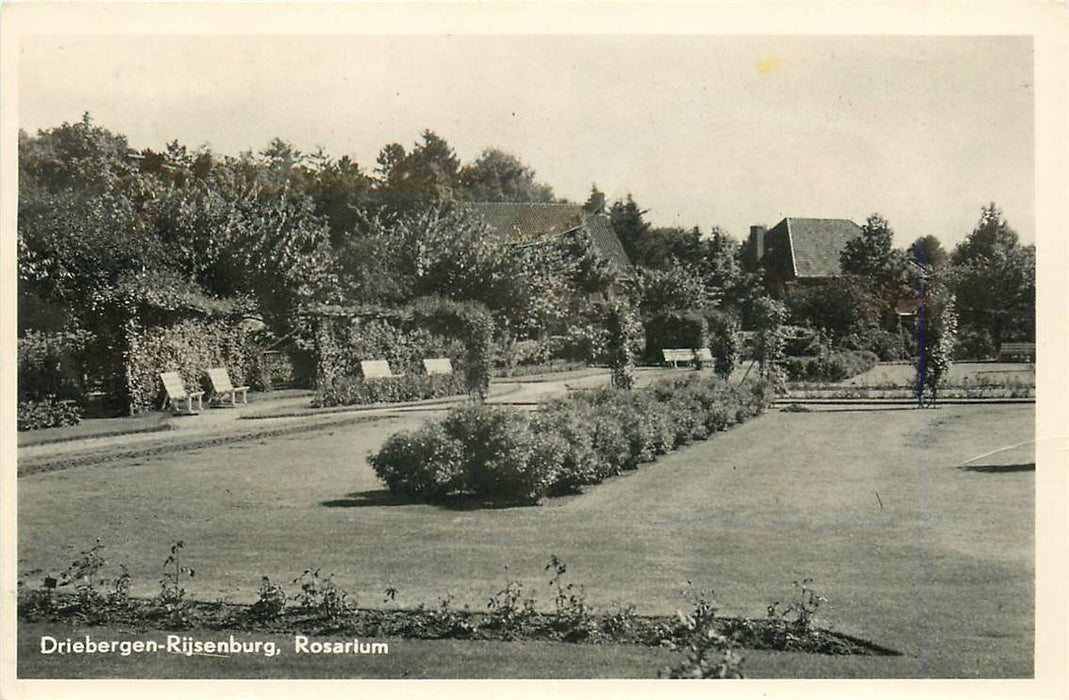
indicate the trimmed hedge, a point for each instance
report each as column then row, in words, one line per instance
column 355, row 391
column 504, row 455
column 832, row 366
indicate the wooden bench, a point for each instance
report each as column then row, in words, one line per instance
column 704, row 354
column 1017, row 352
column 375, row 369
column 677, row 355
column 437, row 365
column 176, row 392
column 221, row 386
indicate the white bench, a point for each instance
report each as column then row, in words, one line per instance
column 176, row 392
column 375, row 369
column 688, row 355
column 221, row 386
column 437, row 365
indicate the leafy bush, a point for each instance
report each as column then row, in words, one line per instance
column 582, row 342
column 503, row 458
column 975, row 344
column 887, row 345
column 49, row 412
column 52, row 364
column 505, row 455
column 356, row 391
column 525, row 352
column 425, row 463
column 830, row 366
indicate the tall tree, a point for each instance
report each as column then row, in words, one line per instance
column 407, row 180
column 994, row 285
column 991, row 238
column 629, row 224
column 595, row 203
column 872, row 253
column 928, row 251
column 496, row 176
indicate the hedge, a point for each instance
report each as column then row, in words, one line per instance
column 188, row 347
column 832, row 366
column 429, row 327
column 500, row 454
column 354, row 391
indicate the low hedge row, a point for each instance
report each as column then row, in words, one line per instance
column 356, row 391
column 832, row 366
column 503, row 454
column 49, row 412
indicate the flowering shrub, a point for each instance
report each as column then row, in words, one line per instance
column 502, row 454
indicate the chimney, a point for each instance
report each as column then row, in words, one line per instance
column 757, row 242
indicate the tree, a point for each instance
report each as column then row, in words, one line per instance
column 408, row 180
column 340, row 190
column 675, row 289
column 595, row 203
column 497, row 176
column 990, row 239
column 872, row 254
column 928, row 251
column 994, row 283
column 629, row 225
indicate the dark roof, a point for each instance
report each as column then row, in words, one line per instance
column 523, row 222
column 817, row 243
column 606, row 241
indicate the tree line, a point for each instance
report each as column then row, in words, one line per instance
column 102, row 227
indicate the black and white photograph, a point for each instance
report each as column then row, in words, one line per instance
column 368, row 341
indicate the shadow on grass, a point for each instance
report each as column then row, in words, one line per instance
column 385, row 497
column 999, row 468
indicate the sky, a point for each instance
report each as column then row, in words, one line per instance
column 701, row 130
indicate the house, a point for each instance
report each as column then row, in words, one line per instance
column 527, row 222
column 801, row 251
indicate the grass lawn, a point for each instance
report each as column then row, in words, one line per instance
column 961, row 374
column 938, row 566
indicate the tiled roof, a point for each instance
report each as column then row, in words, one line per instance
column 606, row 241
column 817, row 243
column 523, row 222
